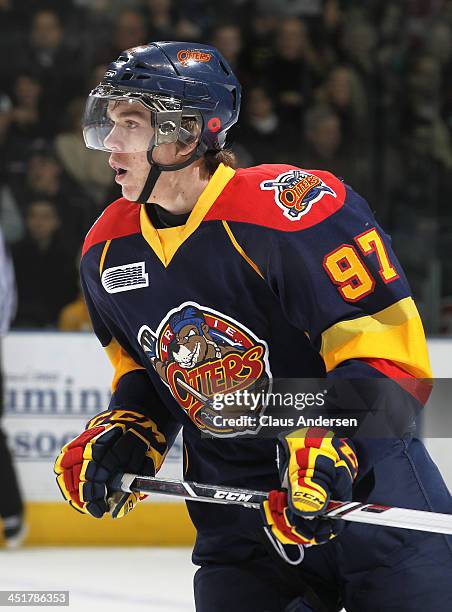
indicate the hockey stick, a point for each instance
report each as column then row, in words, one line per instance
column 371, row 514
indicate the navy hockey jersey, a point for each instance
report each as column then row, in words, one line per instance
column 279, row 272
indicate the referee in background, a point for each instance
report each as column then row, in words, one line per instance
column 11, row 505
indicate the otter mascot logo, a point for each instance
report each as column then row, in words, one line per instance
column 199, row 353
column 296, row 191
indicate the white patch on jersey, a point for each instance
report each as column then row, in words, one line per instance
column 125, row 278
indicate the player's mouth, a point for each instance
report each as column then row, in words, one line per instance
column 120, row 175
column 121, row 172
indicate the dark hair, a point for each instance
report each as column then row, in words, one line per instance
column 214, row 158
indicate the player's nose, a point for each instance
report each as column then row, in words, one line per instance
column 112, row 142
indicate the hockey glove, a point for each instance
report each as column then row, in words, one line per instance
column 114, row 441
column 315, row 465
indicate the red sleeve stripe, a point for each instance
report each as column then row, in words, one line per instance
column 420, row 389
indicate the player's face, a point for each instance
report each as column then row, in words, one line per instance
column 129, row 141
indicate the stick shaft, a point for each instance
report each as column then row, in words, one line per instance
column 371, row 514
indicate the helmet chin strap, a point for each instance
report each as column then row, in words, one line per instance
column 156, row 170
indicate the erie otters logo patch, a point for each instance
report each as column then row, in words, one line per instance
column 296, row 191
column 200, row 353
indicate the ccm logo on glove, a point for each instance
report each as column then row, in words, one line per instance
column 316, row 466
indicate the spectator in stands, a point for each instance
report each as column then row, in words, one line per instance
column 326, row 149
column 331, row 25
column 162, row 19
column 343, row 91
column 258, row 47
column 262, row 132
column 199, row 14
column 45, row 176
column 227, row 38
column 292, row 70
column 438, row 43
column 358, row 43
column 58, row 65
column 424, row 150
column 424, row 163
column 46, row 278
column 422, row 86
column 24, row 121
column 129, row 30
column 323, row 136
column 12, row 19
column 46, row 37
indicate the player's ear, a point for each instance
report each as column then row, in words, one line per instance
column 184, row 150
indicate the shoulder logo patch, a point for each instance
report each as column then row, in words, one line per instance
column 296, row 191
column 125, row 278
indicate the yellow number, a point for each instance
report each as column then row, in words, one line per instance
column 348, row 272
column 346, row 269
column 371, row 241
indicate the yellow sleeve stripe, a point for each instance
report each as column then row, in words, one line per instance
column 121, row 361
column 103, row 256
column 394, row 333
column 240, row 250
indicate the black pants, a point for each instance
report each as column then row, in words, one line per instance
column 365, row 569
column 10, row 497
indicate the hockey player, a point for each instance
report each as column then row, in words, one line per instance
column 203, row 279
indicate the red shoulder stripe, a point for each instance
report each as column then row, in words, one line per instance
column 279, row 196
column 121, row 218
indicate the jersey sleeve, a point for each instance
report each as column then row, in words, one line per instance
column 341, row 282
column 132, row 388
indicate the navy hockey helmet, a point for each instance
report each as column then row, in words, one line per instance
column 172, row 80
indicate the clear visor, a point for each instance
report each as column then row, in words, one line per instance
column 119, row 121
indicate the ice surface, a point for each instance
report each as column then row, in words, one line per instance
column 151, row 579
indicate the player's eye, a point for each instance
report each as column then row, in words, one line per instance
column 190, row 334
column 131, row 124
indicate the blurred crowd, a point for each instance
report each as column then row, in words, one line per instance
column 358, row 88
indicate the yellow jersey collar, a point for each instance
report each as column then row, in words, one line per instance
column 165, row 242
